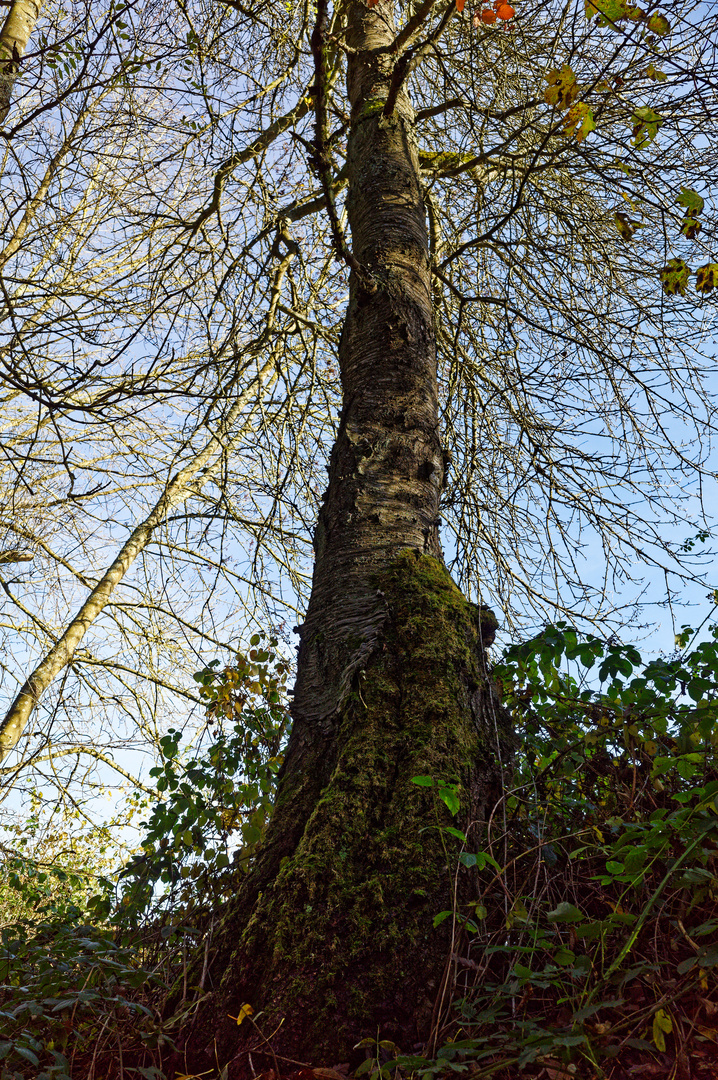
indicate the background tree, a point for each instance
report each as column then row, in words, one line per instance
column 97, row 355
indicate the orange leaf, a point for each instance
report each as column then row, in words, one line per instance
column 460, row 5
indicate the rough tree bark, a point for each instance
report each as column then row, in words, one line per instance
column 331, row 933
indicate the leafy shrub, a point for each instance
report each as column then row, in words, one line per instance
column 67, row 990
column 212, row 807
column 591, row 936
column 44, row 863
column 595, row 939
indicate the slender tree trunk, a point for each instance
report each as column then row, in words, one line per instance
column 332, row 931
column 186, row 482
column 14, row 36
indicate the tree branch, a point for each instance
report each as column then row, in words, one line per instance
column 185, row 482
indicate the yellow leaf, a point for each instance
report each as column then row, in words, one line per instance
column 659, row 24
column 579, row 121
column 664, row 1021
column 661, row 1023
column 707, row 277
column 562, row 88
column 659, row 1038
column 244, row 1012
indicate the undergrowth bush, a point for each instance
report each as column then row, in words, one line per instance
column 589, row 948
column 84, row 974
column 212, row 806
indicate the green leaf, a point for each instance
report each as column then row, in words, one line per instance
column 566, row 912
column 449, row 795
column 659, row 24
column 693, row 204
column 691, row 200
column 686, row 768
column 674, row 277
column 67, row 1003
column 439, row 919
column 639, row 1044
column 28, row 1054
column 646, row 123
column 609, row 11
column 365, row 1067
column 708, row 957
column 568, row 1040
column 251, row 834
column 590, row 931
column 423, row 781
column 455, row 832
column 564, row 957
column 635, row 859
column 590, row 1010
column 484, row 859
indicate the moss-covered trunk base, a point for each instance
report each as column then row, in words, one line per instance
column 331, row 935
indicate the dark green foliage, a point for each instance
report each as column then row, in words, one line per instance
column 84, row 973
column 596, row 937
column 210, row 800
column 63, row 984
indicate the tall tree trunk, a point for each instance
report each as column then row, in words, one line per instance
column 332, row 931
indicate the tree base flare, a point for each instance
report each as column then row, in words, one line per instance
column 331, row 937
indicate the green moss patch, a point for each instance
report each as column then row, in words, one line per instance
column 343, row 935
